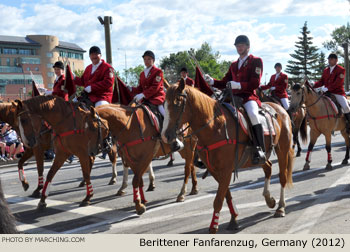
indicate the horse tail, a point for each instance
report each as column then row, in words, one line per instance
column 7, row 220
column 290, row 164
column 303, row 131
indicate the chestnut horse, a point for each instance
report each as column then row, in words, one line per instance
column 138, row 143
column 212, row 124
column 322, row 120
column 7, row 114
column 69, row 124
column 7, row 220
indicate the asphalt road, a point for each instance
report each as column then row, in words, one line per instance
column 319, row 201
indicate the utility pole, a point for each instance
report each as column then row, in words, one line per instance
column 107, row 21
column 346, row 65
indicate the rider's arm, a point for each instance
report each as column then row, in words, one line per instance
column 268, row 86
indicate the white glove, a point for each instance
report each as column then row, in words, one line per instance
column 130, row 88
column 88, row 89
column 209, row 79
column 233, row 85
column 75, row 99
column 324, row 89
column 48, row 92
column 272, row 88
column 139, row 97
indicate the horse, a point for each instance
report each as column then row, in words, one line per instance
column 298, row 119
column 7, row 114
column 7, row 220
column 322, row 120
column 69, row 125
column 217, row 136
column 138, row 143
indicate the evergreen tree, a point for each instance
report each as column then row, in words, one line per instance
column 320, row 66
column 305, row 57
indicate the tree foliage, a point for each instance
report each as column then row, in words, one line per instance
column 340, row 36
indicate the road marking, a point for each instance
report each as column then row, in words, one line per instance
column 310, row 216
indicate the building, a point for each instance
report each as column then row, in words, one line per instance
column 32, row 57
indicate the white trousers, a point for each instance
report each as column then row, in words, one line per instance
column 285, row 103
column 99, row 103
column 343, row 103
column 161, row 109
column 252, row 109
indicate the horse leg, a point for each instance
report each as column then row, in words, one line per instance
column 329, row 154
column 121, row 191
column 86, row 166
column 233, row 225
column 60, row 158
column 39, row 156
column 142, row 194
column 313, row 138
column 270, row 201
column 151, row 178
column 299, row 149
column 26, row 155
column 347, row 143
column 224, row 182
column 113, row 158
column 140, row 207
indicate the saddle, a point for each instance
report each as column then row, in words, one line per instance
column 153, row 114
column 332, row 100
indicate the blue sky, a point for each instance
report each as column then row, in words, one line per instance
column 170, row 26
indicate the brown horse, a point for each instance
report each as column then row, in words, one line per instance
column 138, row 143
column 69, row 125
column 322, row 120
column 7, row 114
column 7, row 220
column 211, row 124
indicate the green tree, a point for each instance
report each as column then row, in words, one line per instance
column 340, row 36
column 305, row 57
column 133, row 75
column 320, row 66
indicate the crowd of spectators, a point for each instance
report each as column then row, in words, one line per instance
column 10, row 143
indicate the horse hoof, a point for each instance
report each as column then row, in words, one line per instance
column 120, row 193
column 85, row 203
column 329, row 167
column 213, row 230
column 150, row 188
column 141, row 209
column 345, row 162
column 180, row 198
column 25, row 186
column 112, row 182
column 271, row 203
column 306, row 167
column 41, row 206
column 194, row 192
column 280, row 212
column 36, row 194
column 82, row 183
column 233, row 225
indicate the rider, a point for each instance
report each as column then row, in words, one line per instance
column 184, row 75
column 58, row 87
column 151, row 89
column 243, row 77
column 332, row 81
column 97, row 79
column 278, row 85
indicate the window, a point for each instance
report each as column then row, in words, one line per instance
column 25, row 51
column 49, row 65
column 49, row 54
column 50, row 74
column 10, row 69
column 50, row 85
column 36, row 68
column 28, row 68
column 8, row 62
column 10, row 51
column 35, row 61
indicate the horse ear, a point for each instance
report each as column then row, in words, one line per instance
column 19, row 104
column 93, row 112
column 181, row 85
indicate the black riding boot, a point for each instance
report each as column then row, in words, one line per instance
column 258, row 141
column 347, row 117
column 177, row 145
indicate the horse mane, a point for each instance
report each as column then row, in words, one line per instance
column 44, row 104
column 7, row 220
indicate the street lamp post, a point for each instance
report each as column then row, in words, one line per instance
column 24, row 78
column 106, row 22
column 346, row 64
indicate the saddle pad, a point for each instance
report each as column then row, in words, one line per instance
column 242, row 121
column 265, row 122
column 333, row 105
column 152, row 117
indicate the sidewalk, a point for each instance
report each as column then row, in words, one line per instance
column 14, row 162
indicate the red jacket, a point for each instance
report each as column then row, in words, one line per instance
column 248, row 75
column 281, row 85
column 333, row 81
column 101, row 82
column 58, row 88
column 151, row 86
column 189, row 82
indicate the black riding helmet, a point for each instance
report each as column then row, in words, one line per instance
column 242, row 39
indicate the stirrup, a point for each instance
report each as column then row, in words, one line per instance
column 177, row 145
column 258, row 157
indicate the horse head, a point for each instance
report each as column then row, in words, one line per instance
column 175, row 111
column 29, row 124
column 297, row 97
column 96, row 130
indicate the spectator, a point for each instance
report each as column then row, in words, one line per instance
column 12, row 141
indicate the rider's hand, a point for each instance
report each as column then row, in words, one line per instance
column 48, row 92
column 130, row 88
column 324, row 89
column 233, row 85
column 88, row 89
column 139, row 97
column 209, row 79
column 272, row 88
